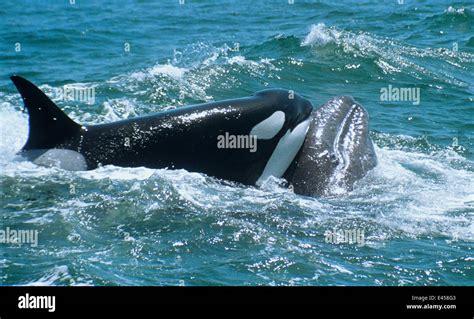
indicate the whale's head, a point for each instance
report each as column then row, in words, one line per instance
column 337, row 150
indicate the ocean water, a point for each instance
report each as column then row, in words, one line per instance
column 414, row 213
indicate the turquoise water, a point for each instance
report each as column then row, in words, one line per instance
column 122, row 226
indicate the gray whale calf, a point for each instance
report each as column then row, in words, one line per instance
column 337, row 150
column 247, row 140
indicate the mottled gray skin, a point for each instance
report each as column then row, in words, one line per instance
column 337, row 150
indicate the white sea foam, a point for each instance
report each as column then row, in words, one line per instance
column 423, row 193
column 320, row 35
column 118, row 173
column 56, row 276
column 160, row 69
column 13, row 131
column 191, row 73
column 452, row 10
column 390, row 56
column 118, row 109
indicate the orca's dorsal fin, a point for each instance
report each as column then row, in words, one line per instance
column 49, row 126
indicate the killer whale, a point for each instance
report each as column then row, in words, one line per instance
column 183, row 138
column 311, row 148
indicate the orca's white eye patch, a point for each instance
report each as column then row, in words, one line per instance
column 269, row 127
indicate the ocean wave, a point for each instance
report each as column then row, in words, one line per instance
column 59, row 275
column 457, row 11
column 190, row 74
column 390, row 56
column 457, row 17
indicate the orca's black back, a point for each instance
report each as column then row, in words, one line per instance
column 186, row 138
